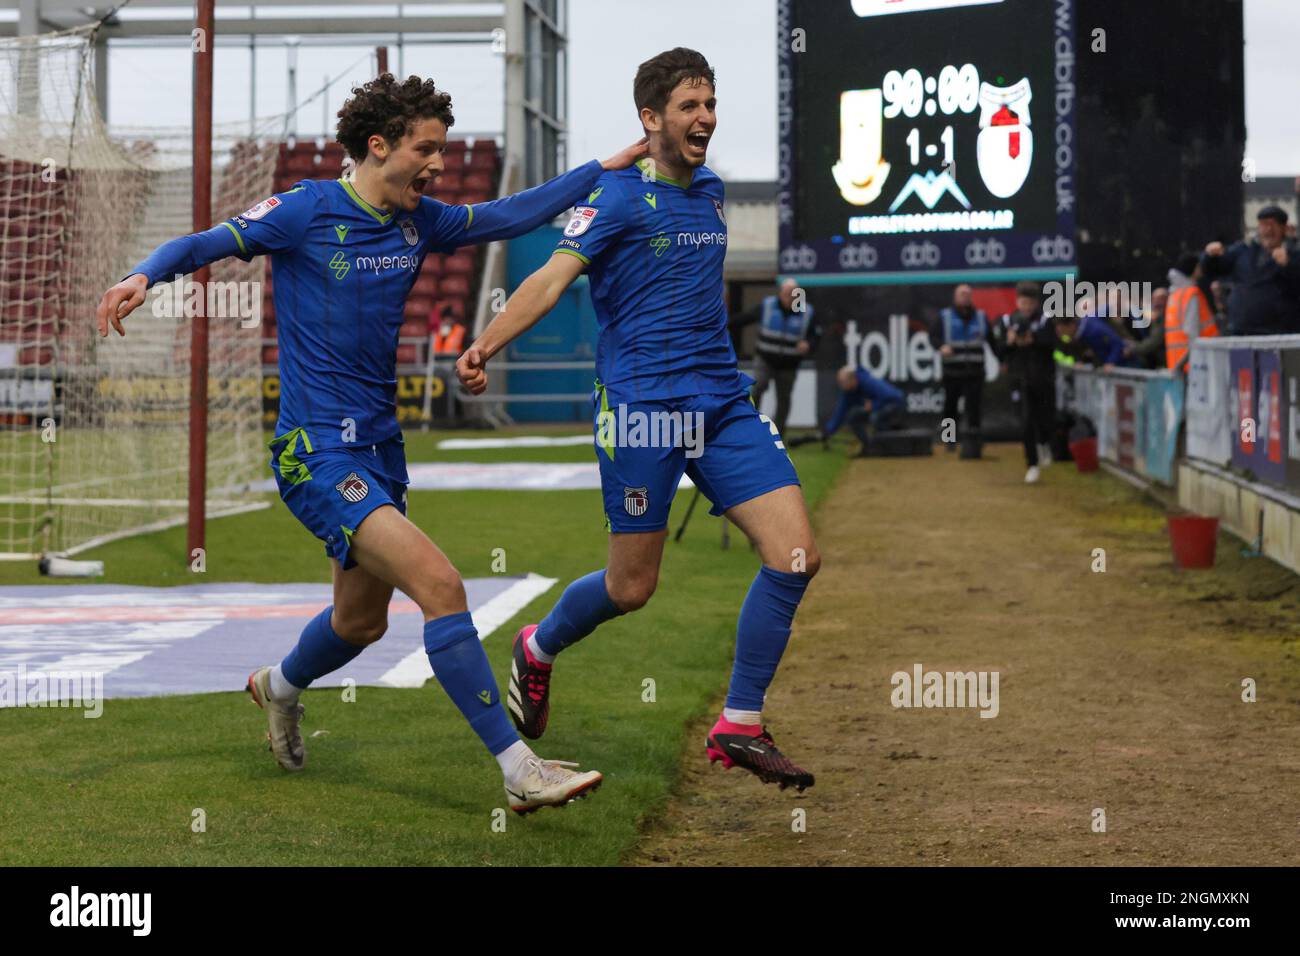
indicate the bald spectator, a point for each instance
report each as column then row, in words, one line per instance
column 1265, row 277
column 788, row 331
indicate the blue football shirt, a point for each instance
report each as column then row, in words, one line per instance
column 654, row 248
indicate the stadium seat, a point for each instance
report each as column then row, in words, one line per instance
column 453, row 162
column 448, row 182
column 477, row 182
column 453, row 287
column 414, row 329
column 469, row 199
column 270, row 355
column 461, row 264
column 408, row 354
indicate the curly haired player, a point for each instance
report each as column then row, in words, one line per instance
column 345, row 254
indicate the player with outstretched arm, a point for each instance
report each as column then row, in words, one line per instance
column 653, row 240
column 345, row 255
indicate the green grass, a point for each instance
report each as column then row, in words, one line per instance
column 396, row 777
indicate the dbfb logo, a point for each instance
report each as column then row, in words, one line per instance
column 620, row 428
column 185, row 298
column 860, row 255
column 919, row 255
column 1056, row 248
column 985, row 252
column 799, row 258
column 896, row 355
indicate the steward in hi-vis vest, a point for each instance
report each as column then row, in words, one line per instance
column 960, row 339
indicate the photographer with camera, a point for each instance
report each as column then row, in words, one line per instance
column 1029, row 344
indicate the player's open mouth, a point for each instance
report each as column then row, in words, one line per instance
column 698, row 141
column 420, row 184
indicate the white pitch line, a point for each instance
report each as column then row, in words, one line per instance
column 413, row 670
column 522, row 441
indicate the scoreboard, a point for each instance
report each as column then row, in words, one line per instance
column 926, row 140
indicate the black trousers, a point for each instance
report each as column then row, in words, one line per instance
column 783, row 379
column 970, row 386
column 1037, row 417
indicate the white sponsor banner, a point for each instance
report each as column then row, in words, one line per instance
column 1209, row 413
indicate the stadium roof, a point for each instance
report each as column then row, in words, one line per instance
column 158, row 18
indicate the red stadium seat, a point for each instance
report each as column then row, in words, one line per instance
column 452, row 287
column 448, row 182
column 414, row 329
column 426, row 284
column 469, row 199
column 483, row 161
column 270, row 355
column 408, row 354
column 477, row 182
column 461, row 264
column 417, row 308
column 453, row 162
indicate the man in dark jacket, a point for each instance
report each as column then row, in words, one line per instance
column 788, row 331
column 959, row 338
column 1031, row 368
column 1265, row 277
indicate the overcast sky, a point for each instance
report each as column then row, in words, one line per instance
column 607, row 39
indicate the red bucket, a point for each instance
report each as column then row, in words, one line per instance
column 1192, row 538
column 1084, row 453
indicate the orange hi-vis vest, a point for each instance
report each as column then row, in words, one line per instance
column 448, row 339
column 1187, row 317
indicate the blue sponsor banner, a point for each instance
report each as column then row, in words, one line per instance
column 1164, row 413
column 1270, row 444
column 1242, row 392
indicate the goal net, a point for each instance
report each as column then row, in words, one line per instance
column 94, row 433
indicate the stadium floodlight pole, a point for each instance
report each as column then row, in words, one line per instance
column 204, row 34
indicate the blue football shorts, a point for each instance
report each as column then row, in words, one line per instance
column 332, row 490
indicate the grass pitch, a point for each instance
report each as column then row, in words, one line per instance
column 396, row 777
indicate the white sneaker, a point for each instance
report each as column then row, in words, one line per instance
column 548, row 783
column 1031, row 476
column 284, row 721
column 1044, row 455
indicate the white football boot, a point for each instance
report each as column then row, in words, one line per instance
column 549, row 783
column 285, row 720
column 1031, row 476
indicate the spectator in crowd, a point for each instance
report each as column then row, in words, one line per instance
column 1149, row 351
column 1265, row 274
column 1104, row 345
column 865, row 401
column 960, row 337
column 1030, row 343
column 1188, row 316
column 448, row 333
column 788, row 331
column 1219, row 292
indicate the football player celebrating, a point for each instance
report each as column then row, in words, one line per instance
column 345, row 254
column 653, row 240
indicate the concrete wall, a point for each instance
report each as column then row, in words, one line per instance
column 1240, row 507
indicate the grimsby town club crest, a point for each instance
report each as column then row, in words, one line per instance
column 353, row 488
column 409, row 233
column 635, row 501
column 1005, row 146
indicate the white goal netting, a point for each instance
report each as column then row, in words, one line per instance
column 94, row 433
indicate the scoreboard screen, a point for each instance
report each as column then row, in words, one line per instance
column 923, row 138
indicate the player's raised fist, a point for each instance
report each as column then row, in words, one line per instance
column 120, row 301
column 471, row 370
column 626, row 157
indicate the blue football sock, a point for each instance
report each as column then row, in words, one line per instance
column 318, row 652
column 761, row 635
column 583, row 607
column 461, row 666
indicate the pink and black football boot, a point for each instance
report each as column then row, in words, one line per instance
column 528, row 698
column 750, row 746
